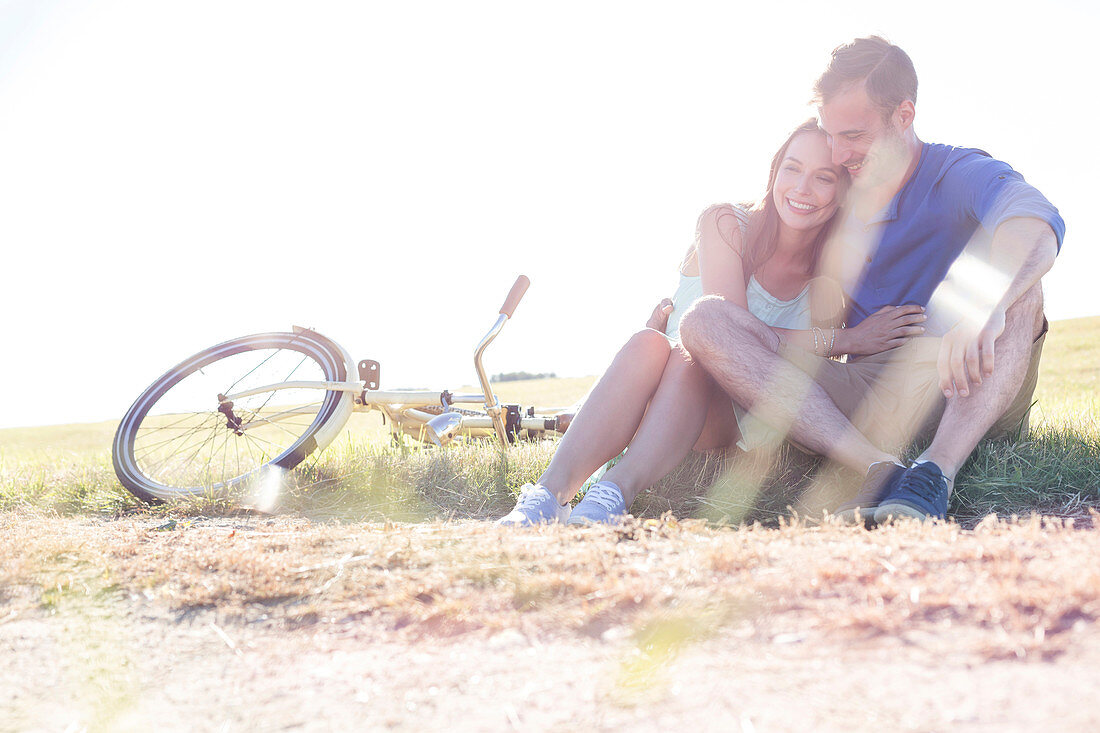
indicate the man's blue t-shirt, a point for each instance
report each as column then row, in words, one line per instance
column 952, row 204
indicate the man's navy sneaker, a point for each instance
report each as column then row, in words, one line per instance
column 921, row 494
column 881, row 479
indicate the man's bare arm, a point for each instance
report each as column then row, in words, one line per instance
column 1023, row 250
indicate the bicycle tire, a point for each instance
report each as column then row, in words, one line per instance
column 169, row 443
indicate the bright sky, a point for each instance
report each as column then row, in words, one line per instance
column 174, row 174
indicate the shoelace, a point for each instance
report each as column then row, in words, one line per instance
column 527, row 497
column 605, row 496
column 923, row 482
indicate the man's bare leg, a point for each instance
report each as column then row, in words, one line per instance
column 610, row 415
column 670, row 428
column 739, row 352
column 966, row 419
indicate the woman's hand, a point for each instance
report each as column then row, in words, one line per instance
column 658, row 320
column 887, row 328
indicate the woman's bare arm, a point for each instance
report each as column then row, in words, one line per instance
column 720, row 254
column 885, row 329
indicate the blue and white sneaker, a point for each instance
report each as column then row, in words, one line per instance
column 921, row 494
column 535, row 505
column 602, row 504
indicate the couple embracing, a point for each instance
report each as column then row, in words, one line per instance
column 938, row 252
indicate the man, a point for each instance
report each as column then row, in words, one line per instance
column 920, row 219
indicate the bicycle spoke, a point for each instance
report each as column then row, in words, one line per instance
column 208, row 475
column 278, row 415
column 248, row 445
column 186, row 416
column 201, row 477
column 237, row 453
column 229, row 389
column 205, row 424
column 149, row 447
column 278, row 425
column 213, row 436
column 264, row 457
column 225, row 446
column 285, row 379
column 253, row 436
column 188, row 443
column 183, row 442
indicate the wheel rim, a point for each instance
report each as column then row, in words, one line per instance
column 178, row 442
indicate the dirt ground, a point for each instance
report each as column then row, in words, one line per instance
column 251, row 623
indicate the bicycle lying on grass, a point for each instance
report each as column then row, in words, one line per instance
column 227, row 416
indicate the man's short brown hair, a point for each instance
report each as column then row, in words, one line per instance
column 886, row 70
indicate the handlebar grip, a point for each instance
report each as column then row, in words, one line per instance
column 515, row 295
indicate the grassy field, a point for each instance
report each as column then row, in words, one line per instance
column 361, row 476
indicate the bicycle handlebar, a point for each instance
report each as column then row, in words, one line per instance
column 515, row 295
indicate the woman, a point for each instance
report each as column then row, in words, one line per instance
column 653, row 400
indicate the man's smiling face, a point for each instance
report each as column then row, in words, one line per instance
column 863, row 139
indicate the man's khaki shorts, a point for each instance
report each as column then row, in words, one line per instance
column 894, row 397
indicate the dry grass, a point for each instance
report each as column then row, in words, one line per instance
column 1014, row 587
column 374, row 549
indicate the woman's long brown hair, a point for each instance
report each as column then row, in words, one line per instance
column 762, row 233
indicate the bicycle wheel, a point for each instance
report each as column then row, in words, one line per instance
column 181, row 439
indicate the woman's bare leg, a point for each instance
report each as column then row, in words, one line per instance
column 671, row 426
column 720, row 431
column 610, row 416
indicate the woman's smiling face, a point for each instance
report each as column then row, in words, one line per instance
column 808, row 185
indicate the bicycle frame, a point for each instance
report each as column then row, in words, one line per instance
column 401, row 406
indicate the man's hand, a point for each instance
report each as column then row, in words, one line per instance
column 967, row 354
column 658, row 321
